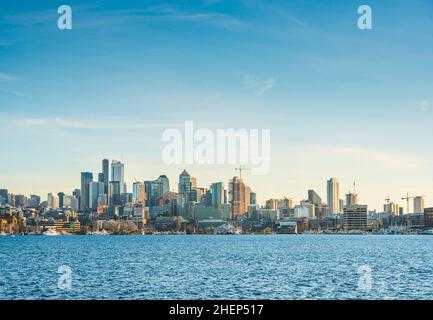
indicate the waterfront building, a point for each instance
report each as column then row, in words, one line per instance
column 428, row 218
column 355, row 217
column 333, row 190
column 201, row 212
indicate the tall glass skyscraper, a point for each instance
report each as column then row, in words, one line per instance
column 117, row 174
column 86, row 178
column 217, row 194
column 165, row 183
column 105, row 172
column 188, row 186
column 333, row 191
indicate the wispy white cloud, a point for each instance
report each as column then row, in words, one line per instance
column 73, row 123
column 7, row 77
column 424, row 105
column 388, row 159
column 259, row 86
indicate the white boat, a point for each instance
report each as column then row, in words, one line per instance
column 3, row 234
column 50, row 231
column 103, row 232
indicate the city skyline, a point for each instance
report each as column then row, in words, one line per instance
column 338, row 101
column 333, row 194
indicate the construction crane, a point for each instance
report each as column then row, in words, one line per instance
column 240, row 169
column 407, row 198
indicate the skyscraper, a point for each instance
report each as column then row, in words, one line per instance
column 77, row 194
column 138, row 193
column 217, row 194
column 86, row 177
column 153, row 190
column 61, row 196
column 114, row 193
column 188, row 186
column 333, row 196
column 239, row 196
column 3, row 196
column 117, row 174
column 95, row 189
column 52, row 201
column 165, row 183
column 105, row 165
column 314, row 198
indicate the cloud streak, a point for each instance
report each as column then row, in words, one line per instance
column 390, row 160
column 259, row 86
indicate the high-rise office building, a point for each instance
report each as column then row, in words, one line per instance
column 355, row 217
column 86, row 178
column 165, row 183
column 314, row 198
column 106, row 173
column 333, row 190
column 77, row 194
column 4, row 196
column 114, row 193
column 95, row 189
column 153, row 190
column 418, row 204
column 34, row 201
column 188, row 186
column 117, row 174
column 52, row 201
column 239, row 196
column 61, row 196
column 217, row 194
column 70, row 202
column 138, row 193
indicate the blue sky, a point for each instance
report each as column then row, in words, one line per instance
column 339, row 101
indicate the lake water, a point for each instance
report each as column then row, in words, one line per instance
column 217, row 267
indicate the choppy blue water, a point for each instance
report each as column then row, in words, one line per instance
column 217, row 267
